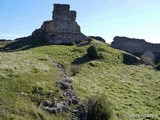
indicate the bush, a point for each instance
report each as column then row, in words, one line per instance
column 75, row 69
column 157, row 67
column 98, row 108
column 92, row 52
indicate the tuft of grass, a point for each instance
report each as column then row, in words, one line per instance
column 75, row 69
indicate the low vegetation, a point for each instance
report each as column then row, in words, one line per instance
column 28, row 77
column 92, row 52
column 99, row 108
column 157, row 67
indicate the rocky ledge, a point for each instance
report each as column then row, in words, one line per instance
column 137, row 47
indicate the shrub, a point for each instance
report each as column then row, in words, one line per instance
column 37, row 90
column 92, row 52
column 98, row 108
column 75, row 69
column 157, row 67
column 34, row 70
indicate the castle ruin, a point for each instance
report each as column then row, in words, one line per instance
column 62, row 29
column 137, row 47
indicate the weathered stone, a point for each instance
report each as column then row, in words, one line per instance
column 68, row 98
column 69, row 101
column 75, row 111
column 53, row 104
column 136, row 46
column 64, row 85
column 52, row 110
column 98, row 38
column 69, row 94
column 75, row 101
column 66, row 108
column 130, row 59
column 62, row 29
column 59, row 109
column 79, row 113
column 46, row 103
column 22, row 93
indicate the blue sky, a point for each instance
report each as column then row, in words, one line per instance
column 105, row 18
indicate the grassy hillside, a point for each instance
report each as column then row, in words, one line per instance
column 4, row 42
column 131, row 88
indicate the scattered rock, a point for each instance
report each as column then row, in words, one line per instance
column 23, row 93
column 68, row 98
column 79, row 113
column 64, row 85
column 53, row 104
column 66, row 108
column 69, row 101
column 46, row 103
column 75, row 101
column 52, row 110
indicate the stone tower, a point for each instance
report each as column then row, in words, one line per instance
column 62, row 29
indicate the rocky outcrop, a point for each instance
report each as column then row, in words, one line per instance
column 134, row 46
column 98, row 38
column 62, row 29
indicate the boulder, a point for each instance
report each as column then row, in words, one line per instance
column 64, row 85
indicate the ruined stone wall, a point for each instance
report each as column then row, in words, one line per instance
column 61, row 11
column 132, row 45
column 136, row 46
column 62, row 29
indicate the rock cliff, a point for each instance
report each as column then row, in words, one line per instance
column 62, row 29
column 136, row 46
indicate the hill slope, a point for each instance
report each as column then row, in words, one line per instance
column 28, row 77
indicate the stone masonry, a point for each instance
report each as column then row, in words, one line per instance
column 62, row 29
column 136, row 46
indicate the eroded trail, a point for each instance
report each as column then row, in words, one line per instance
column 69, row 97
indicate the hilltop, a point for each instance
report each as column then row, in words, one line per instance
column 62, row 29
column 85, row 79
column 28, row 77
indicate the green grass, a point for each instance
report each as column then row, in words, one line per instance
column 3, row 43
column 131, row 89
